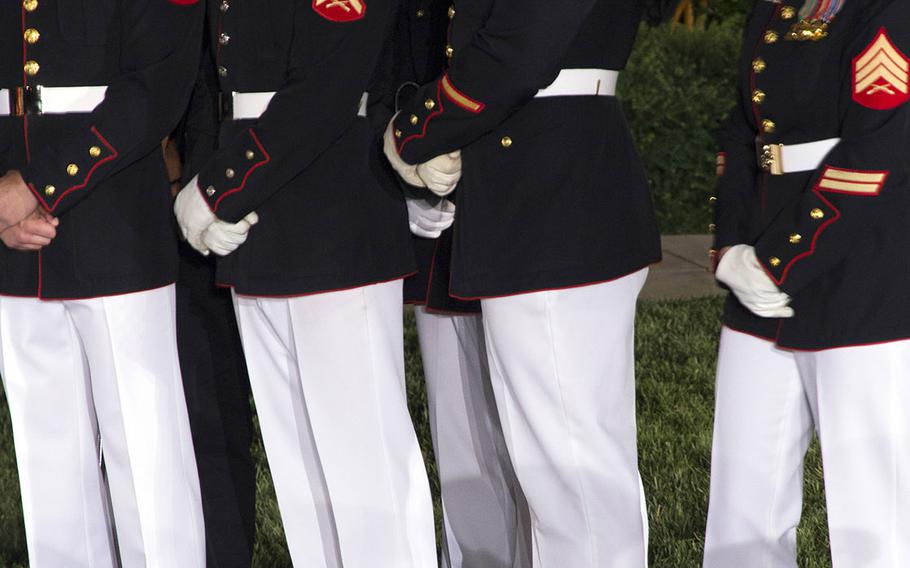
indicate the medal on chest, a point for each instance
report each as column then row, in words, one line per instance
column 814, row 18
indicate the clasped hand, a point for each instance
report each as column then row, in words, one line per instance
column 440, row 174
column 24, row 226
column 203, row 230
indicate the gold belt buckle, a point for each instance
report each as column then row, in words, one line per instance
column 771, row 159
column 25, row 100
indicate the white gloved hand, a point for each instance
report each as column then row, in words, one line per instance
column 223, row 238
column 441, row 174
column 740, row 270
column 427, row 220
column 390, row 147
column 193, row 215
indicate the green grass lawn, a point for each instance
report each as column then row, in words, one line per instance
column 677, row 342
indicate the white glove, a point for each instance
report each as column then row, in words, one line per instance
column 427, row 220
column 389, row 146
column 223, row 238
column 441, row 174
column 193, row 215
column 740, row 270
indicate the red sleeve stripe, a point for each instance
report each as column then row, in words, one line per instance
column 853, row 182
column 459, row 98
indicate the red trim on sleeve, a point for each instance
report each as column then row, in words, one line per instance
column 860, row 183
column 431, row 116
column 459, row 98
column 811, row 251
column 114, row 155
column 248, row 172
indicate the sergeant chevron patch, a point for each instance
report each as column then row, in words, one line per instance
column 340, row 10
column 855, row 182
column 881, row 75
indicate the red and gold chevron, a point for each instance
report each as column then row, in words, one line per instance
column 854, row 182
column 881, row 75
column 340, row 10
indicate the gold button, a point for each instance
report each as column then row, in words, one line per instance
column 451, row 12
column 94, row 151
column 414, row 120
column 712, row 252
column 774, row 261
column 787, row 12
column 506, row 142
column 250, row 154
column 31, row 68
column 30, row 5
column 225, row 6
column 49, row 190
column 421, row 13
column 817, row 214
column 795, row 238
column 210, row 191
column 759, row 65
column 768, row 126
column 712, row 227
column 758, row 96
column 771, row 36
column 712, row 199
column 430, row 104
column 222, row 71
column 72, row 169
column 31, row 36
column 229, row 173
column 398, row 134
column 224, row 39
column 450, row 51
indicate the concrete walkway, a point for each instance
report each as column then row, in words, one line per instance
column 685, row 271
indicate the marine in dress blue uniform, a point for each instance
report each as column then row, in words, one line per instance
column 810, row 212
column 486, row 520
column 554, row 233
column 315, row 247
column 88, row 355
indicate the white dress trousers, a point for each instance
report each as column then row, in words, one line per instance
column 486, row 519
column 563, row 372
column 80, row 371
column 327, row 375
column 768, row 402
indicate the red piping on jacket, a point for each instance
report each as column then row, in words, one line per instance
column 113, row 156
column 556, row 289
column 248, row 172
column 317, row 292
column 811, row 251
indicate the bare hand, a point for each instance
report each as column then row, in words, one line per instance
column 32, row 233
column 16, row 200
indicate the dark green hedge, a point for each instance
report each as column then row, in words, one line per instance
column 678, row 89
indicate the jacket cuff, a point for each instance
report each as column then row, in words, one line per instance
column 57, row 177
column 228, row 173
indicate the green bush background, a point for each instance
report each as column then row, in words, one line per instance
column 678, row 90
